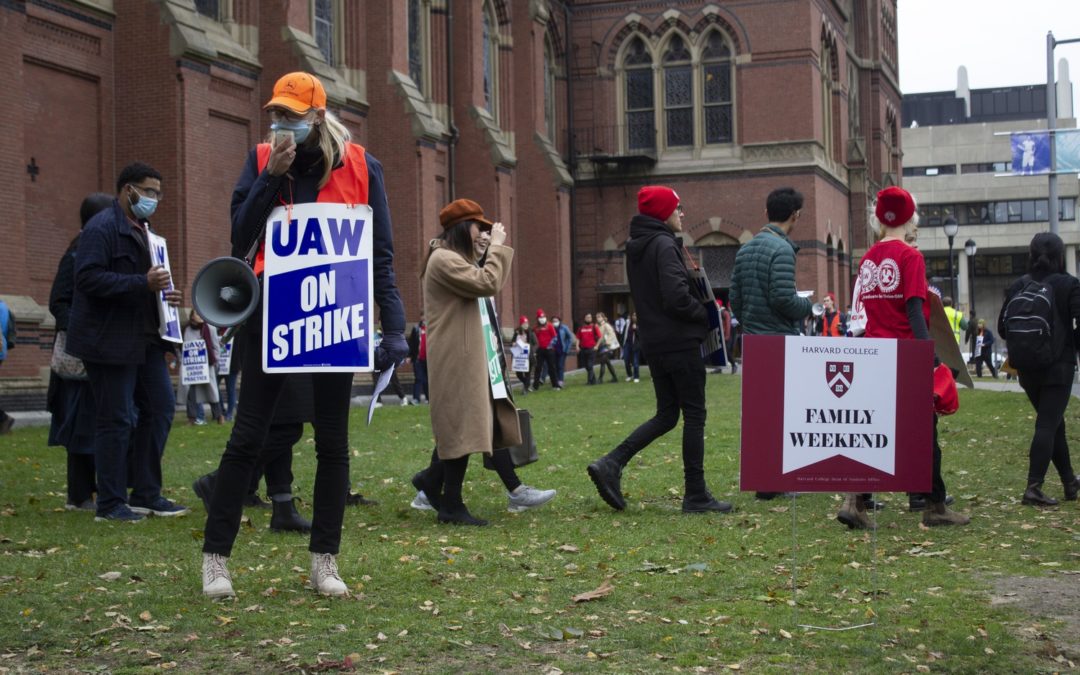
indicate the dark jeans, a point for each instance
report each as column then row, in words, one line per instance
column 276, row 459
column 986, row 358
column 679, row 382
column 632, row 361
column 586, row 359
column 229, row 402
column 420, row 383
column 545, row 359
column 249, row 435
column 135, row 409
column 1048, row 444
column 562, row 368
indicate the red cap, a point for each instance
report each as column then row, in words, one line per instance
column 657, row 201
column 523, row 319
column 895, row 207
column 539, row 313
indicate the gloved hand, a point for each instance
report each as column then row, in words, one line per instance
column 391, row 351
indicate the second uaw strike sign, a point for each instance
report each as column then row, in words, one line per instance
column 856, row 413
column 318, row 282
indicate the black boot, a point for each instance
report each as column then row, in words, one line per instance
column 287, row 519
column 606, row 475
column 1071, row 489
column 704, row 502
column 203, row 487
column 1034, row 496
column 460, row 516
column 421, row 480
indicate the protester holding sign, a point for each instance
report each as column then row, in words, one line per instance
column 1045, row 359
column 309, row 160
column 674, row 322
column 893, row 288
column 763, row 296
column 202, row 388
column 114, row 327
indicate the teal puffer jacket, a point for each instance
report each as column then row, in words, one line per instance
column 763, row 295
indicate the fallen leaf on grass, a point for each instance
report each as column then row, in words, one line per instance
column 600, row 591
column 109, row 576
column 569, row 548
column 146, row 616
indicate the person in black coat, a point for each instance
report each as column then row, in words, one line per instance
column 71, row 402
column 1049, row 389
column 673, row 324
column 113, row 328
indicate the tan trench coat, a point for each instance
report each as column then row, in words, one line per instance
column 465, row 418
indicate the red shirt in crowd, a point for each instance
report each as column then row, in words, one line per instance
column 588, row 335
column 544, row 335
column 890, row 274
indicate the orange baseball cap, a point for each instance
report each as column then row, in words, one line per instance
column 299, row 92
column 460, row 210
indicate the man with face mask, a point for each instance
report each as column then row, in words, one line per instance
column 113, row 328
column 564, row 342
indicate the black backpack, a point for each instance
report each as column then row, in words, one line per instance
column 1031, row 325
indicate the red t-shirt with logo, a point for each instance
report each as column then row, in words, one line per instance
column 890, row 274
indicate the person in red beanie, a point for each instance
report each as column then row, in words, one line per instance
column 546, row 357
column 673, row 323
column 892, row 276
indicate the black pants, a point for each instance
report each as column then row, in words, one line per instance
column 81, row 479
column 546, row 358
column 249, row 435
column 605, row 362
column 679, row 382
column 586, row 358
column 1048, row 444
column 982, row 358
column 937, row 492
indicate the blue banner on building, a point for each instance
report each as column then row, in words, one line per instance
column 317, row 311
column 1067, row 148
column 1030, row 153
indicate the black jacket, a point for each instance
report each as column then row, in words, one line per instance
column 112, row 303
column 671, row 316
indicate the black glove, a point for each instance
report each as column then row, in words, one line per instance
column 391, row 351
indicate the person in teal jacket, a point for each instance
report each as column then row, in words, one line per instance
column 763, row 296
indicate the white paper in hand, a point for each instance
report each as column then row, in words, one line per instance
column 380, row 386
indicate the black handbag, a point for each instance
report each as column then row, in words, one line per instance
column 522, row 454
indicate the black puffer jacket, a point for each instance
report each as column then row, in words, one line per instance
column 671, row 315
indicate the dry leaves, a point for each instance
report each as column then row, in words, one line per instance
column 600, row 591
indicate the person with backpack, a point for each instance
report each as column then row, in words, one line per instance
column 1038, row 322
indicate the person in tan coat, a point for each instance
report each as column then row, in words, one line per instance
column 471, row 408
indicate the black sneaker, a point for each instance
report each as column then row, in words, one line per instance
column 606, row 475
column 461, row 516
column 119, row 513
column 704, row 503
column 433, row 495
column 203, row 487
column 357, row 499
column 160, row 507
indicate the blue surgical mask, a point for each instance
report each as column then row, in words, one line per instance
column 299, row 128
column 143, row 207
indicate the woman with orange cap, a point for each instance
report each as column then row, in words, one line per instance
column 309, row 157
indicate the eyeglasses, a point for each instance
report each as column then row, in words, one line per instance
column 679, row 208
column 149, row 192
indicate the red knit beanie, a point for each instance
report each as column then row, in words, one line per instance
column 657, row 201
column 895, row 207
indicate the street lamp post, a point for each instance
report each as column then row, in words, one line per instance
column 1051, row 125
column 969, row 249
column 951, row 227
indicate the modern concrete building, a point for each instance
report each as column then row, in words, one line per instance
column 957, row 157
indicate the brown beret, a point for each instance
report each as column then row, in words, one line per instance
column 460, row 210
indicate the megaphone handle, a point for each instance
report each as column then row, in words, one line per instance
column 230, row 333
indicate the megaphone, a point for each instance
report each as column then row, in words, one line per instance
column 225, row 292
column 818, row 309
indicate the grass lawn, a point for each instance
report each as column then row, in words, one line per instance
column 691, row 593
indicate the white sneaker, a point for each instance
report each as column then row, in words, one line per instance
column 420, row 502
column 405, row 400
column 636, row 380
column 216, row 582
column 324, row 575
column 629, row 378
column 378, row 404
column 525, row 497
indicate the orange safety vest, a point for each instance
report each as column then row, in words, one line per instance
column 348, row 184
column 832, row 329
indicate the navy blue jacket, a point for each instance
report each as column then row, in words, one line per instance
column 107, row 322
column 256, row 194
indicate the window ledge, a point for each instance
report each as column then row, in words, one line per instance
column 27, row 310
column 193, row 34
column 502, row 151
column 555, row 163
column 423, row 122
column 335, row 81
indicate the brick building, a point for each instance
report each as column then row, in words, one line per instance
column 550, row 113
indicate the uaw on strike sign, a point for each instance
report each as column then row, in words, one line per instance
column 318, row 283
column 856, row 414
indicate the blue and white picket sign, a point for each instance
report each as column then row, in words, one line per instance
column 194, row 363
column 168, row 316
column 225, row 358
column 317, row 309
column 712, row 349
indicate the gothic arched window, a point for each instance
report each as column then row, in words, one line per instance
column 716, row 71
column 640, row 101
column 678, row 93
